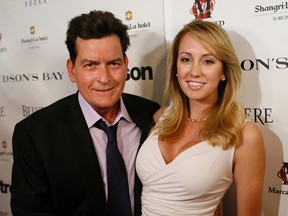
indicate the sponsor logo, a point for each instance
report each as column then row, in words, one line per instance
column 128, row 15
column 4, row 144
column 268, row 63
column 277, row 191
column 142, row 73
column 32, row 30
column 34, row 40
column 283, row 173
column 259, row 115
column 202, row 9
column 279, row 12
column 33, row 77
column 28, row 110
column 5, row 154
column 4, row 187
column 33, row 3
column 2, row 49
column 134, row 28
column 269, row 9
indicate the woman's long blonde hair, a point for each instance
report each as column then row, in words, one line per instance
column 225, row 118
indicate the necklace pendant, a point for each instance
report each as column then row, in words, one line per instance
column 196, row 120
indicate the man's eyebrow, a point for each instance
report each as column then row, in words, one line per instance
column 88, row 60
column 83, row 61
column 115, row 60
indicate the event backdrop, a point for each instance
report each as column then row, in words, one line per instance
column 33, row 73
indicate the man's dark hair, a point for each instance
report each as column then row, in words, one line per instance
column 95, row 24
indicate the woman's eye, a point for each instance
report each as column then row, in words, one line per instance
column 208, row 61
column 185, row 59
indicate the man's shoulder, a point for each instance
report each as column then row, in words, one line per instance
column 138, row 104
column 135, row 98
column 52, row 111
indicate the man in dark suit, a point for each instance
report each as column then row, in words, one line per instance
column 59, row 155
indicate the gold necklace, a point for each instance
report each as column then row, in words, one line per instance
column 196, row 120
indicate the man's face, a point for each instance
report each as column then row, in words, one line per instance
column 99, row 71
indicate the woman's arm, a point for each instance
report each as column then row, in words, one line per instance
column 249, row 171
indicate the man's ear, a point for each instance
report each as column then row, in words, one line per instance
column 126, row 61
column 70, row 69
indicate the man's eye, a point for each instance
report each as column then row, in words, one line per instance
column 89, row 65
column 115, row 64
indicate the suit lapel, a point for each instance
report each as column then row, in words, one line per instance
column 86, row 158
column 141, row 118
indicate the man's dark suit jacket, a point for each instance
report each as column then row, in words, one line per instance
column 55, row 170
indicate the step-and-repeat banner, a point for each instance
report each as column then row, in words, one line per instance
column 33, row 74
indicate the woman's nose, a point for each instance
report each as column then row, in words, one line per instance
column 195, row 70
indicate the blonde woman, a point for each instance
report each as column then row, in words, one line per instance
column 202, row 142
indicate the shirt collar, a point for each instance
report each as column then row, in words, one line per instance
column 91, row 116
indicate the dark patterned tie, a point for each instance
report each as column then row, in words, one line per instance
column 118, row 190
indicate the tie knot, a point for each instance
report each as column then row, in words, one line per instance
column 111, row 131
column 100, row 124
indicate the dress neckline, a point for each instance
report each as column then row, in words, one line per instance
column 196, row 145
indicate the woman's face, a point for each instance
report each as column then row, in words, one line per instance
column 199, row 71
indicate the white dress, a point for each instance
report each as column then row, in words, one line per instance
column 192, row 184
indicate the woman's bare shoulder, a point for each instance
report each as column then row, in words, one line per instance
column 159, row 113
